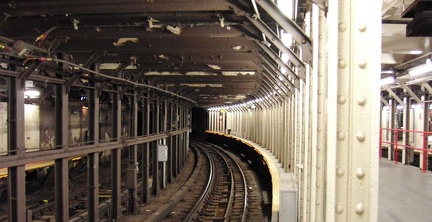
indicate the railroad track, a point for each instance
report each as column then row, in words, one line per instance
column 216, row 191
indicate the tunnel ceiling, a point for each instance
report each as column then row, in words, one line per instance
column 205, row 50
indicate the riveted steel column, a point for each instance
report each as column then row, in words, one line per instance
column 169, row 141
column 131, row 175
column 304, row 154
column 424, row 127
column 406, row 126
column 93, row 158
column 16, row 140
column 355, row 173
column 180, row 137
column 145, row 158
column 116, row 160
column 293, row 133
column 311, row 122
column 164, row 129
column 215, row 121
column 276, row 130
column 181, row 144
column 320, row 62
column 184, row 148
column 61, row 169
column 212, row 119
column 176, row 144
column 155, row 162
column 392, row 125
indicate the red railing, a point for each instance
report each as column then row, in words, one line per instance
column 395, row 132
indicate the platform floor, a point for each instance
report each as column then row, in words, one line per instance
column 405, row 193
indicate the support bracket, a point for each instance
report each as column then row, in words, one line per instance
column 321, row 4
column 427, row 87
column 291, row 27
column 396, row 97
column 411, row 93
column 384, row 101
column 259, row 24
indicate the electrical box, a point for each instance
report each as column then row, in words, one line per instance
column 162, row 153
column 131, row 177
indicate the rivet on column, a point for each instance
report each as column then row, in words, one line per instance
column 342, row 63
column 360, row 173
column 339, row 172
column 361, row 100
column 359, row 209
column 341, row 100
column 340, row 135
column 339, row 209
column 362, row 63
column 360, row 136
column 362, row 27
column 342, row 27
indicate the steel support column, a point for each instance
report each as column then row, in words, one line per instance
column 145, row 157
column 169, row 119
column 406, row 135
column 352, row 147
column 392, row 125
column 93, row 158
column 16, row 140
column 155, row 162
column 425, row 125
column 61, row 169
column 176, row 142
column 116, row 161
column 320, row 62
column 131, row 176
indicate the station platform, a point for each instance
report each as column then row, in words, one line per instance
column 284, row 190
column 405, row 193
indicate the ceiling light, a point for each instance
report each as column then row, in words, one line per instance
column 213, row 66
column 416, row 52
column 420, row 70
column 31, row 93
column 387, row 80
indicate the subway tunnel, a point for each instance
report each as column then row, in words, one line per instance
column 119, row 89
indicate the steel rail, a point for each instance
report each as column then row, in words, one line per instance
column 212, row 172
column 243, row 217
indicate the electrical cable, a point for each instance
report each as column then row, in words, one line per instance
column 43, row 36
column 45, row 59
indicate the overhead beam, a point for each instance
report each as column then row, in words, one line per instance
column 82, row 7
column 295, row 81
column 175, row 44
column 279, row 61
column 427, row 87
column 321, row 4
column 202, row 78
column 396, row 97
column 275, row 75
column 95, row 56
column 277, row 42
column 411, row 93
column 291, row 27
column 116, row 73
column 384, row 101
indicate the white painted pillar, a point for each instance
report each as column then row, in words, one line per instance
column 354, row 53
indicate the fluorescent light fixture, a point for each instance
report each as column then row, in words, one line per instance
column 32, row 94
column 416, row 52
column 420, row 70
column 387, row 80
column 387, row 71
